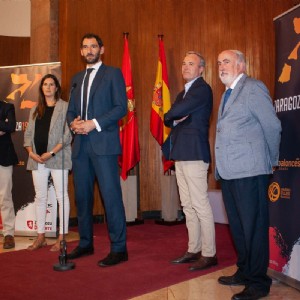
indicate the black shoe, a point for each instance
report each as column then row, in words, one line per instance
column 232, row 280
column 79, row 252
column 187, row 258
column 250, row 293
column 113, row 258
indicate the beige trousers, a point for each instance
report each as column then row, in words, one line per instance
column 192, row 183
column 6, row 204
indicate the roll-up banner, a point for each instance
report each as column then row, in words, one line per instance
column 19, row 85
column 284, row 189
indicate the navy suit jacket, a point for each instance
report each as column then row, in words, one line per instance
column 107, row 104
column 189, row 138
column 8, row 155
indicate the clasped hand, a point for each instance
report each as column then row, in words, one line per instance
column 41, row 159
column 79, row 126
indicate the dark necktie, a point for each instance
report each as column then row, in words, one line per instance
column 227, row 94
column 85, row 93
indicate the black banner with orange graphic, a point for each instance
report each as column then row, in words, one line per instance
column 284, row 192
column 19, row 85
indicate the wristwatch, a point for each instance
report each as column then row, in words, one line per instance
column 52, row 153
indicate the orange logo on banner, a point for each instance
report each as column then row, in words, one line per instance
column 274, row 191
column 285, row 75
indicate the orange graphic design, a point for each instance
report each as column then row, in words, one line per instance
column 285, row 75
column 274, row 191
column 26, row 84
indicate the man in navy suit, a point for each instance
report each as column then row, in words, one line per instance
column 189, row 119
column 246, row 149
column 96, row 148
column 8, row 158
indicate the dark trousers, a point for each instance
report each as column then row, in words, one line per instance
column 87, row 166
column 246, row 203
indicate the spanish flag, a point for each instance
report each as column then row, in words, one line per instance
column 128, row 125
column 161, row 102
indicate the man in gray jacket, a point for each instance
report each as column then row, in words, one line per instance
column 246, row 150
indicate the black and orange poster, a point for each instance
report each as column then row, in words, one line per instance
column 19, row 85
column 284, row 191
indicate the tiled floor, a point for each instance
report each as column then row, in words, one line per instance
column 202, row 288
column 207, row 288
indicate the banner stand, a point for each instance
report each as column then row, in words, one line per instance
column 283, row 278
column 26, row 221
column 284, row 193
column 20, row 86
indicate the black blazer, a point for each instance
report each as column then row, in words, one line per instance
column 189, row 139
column 8, row 155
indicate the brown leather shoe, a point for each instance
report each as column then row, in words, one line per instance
column 204, row 262
column 9, row 242
column 187, row 258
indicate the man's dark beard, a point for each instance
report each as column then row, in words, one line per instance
column 92, row 60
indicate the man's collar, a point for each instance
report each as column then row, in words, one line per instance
column 233, row 85
column 96, row 66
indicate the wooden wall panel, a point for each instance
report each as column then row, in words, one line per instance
column 207, row 26
column 14, row 50
column 44, row 31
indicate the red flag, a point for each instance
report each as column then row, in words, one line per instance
column 128, row 125
column 161, row 102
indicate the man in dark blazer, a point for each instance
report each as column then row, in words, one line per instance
column 8, row 158
column 246, row 149
column 96, row 148
column 189, row 147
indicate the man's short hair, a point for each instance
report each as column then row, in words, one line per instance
column 202, row 60
column 92, row 36
column 240, row 57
